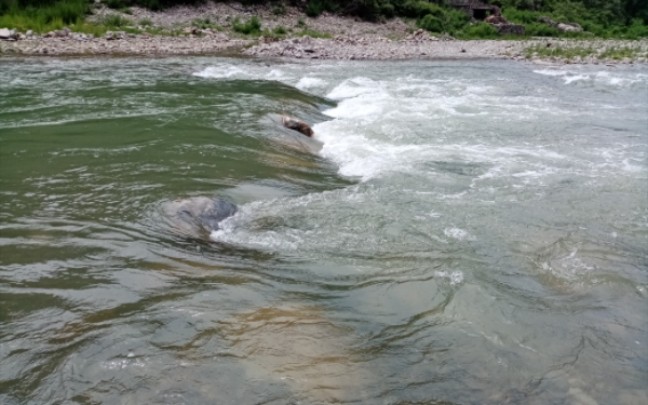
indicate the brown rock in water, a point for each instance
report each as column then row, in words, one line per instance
column 297, row 125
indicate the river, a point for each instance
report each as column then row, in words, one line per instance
column 457, row 232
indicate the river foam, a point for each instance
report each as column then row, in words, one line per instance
column 586, row 75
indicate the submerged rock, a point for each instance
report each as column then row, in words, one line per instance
column 197, row 216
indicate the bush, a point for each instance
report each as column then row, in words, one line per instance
column 316, row 7
column 478, row 30
column 537, row 29
column 415, row 8
column 443, row 20
column 431, row 23
column 250, row 27
column 279, row 9
column 637, row 30
column 455, row 19
column 116, row 4
column 522, row 16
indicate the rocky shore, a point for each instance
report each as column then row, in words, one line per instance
column 208, row 30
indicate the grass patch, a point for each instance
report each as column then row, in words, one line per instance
column 560, row 53
column 478, row 30
column 249, row 27
column 277, row 33
column 205, row 23
column 96, row 30
column 307, row 32
column 279, row 9
column 316, row 7
column 620, row 53
column 43, row 17
column 116, row 21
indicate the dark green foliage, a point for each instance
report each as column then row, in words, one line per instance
column 522, row 16
column 478, row 30
column 541, row 30
column 441, row 19
column 116, row 4
column 431, row 23
column 317, row 7
column 279, row 9
column 415, row 8
column 638, row 29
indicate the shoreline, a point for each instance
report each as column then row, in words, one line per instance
column 339, row 48
column 207, row 31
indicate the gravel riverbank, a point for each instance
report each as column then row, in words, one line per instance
column 208, row 30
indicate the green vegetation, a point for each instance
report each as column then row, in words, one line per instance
column 558, row 52
column 115, row 21
column 479, row 30
column 42, row 15
column 598, row 18
column 619, row 53
column 578, row 52
column 205, row 23
column 317, row 7
column 249, row 27
column 307, row 32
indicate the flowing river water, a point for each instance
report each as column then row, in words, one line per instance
column 457, row 232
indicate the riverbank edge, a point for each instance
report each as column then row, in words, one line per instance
column 327, row 37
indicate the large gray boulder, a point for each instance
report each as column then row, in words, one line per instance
column 569, row 27
column 8, row 35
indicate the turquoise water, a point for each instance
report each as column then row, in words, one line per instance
column 471, row 232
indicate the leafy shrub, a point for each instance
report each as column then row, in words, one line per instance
column 455, row 19
column 637, row 30
column 431, row 23
column 522, row 16
column 479, row 30
column 116, row 4
column 279, row 9
column 416, row 8
column 250, row 27
column 443, row 20
column 316, row 7
column 537, row 29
